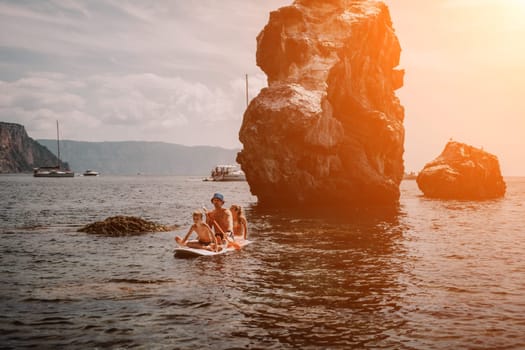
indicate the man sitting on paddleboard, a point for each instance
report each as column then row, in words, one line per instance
column 204, row 233
column 220, row 218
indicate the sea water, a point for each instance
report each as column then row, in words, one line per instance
column 429, row 274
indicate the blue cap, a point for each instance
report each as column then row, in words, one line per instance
column 218, row 196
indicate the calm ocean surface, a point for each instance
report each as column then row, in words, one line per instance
column 430, row 274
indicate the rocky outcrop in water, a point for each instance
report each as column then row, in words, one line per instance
column 462, row 172
column 124, row 226
column 19, row 153
column 328, row 129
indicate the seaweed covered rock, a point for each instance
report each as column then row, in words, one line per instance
column 124, row 226
column 328, row 129
column 462, row 172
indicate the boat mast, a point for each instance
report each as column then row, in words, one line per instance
column 246, row 90
column 58, row 146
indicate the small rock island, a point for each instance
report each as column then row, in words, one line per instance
column 462, row 172
column 328, row 129
column 124, row 226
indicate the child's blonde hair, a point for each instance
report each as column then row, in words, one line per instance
column 237, row 208
column 197, row 213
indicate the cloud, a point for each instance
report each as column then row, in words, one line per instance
column 143, row 106
column 120, row 70
column 78, row 37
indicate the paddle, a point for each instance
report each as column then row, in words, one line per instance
column 230, row 242
column 234, row 244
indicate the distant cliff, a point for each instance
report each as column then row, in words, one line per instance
column 19, row 153
column 328, row 129
column 132, row 157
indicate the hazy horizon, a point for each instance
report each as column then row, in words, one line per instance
column 173, row 71
column 123, row 141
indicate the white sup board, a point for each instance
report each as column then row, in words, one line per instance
column 186, row 252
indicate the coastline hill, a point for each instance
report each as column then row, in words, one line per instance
column 19, row 153
column 141, row 157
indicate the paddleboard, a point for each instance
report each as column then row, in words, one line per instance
column 186, row 252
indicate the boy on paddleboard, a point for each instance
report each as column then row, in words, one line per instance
column 206, row 238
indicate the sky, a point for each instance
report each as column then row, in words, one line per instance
column 174, row 71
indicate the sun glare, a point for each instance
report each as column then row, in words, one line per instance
column 520, row 3
column 517, row 5
column 515, row 13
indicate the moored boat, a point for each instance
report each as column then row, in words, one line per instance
column 90, row 172
column 226, row 173
column 53, row 171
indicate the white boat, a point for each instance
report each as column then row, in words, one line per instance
column 226, row 173
column 53, row 171
column 90, row 172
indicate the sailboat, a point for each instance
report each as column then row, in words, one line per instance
column 54, row 171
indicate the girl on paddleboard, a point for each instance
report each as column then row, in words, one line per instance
column 240, row 224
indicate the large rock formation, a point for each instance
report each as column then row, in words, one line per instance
column 462, row 172
column 20, row 153
column 328, row 129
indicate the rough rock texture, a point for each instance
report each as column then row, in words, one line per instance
column 124, row 226
column 462, row 172
column 19, row 153
column 328, row 129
